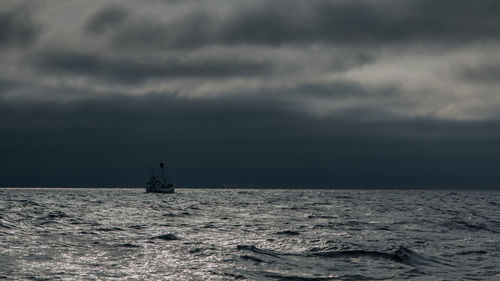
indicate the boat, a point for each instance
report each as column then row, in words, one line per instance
column 159, row 184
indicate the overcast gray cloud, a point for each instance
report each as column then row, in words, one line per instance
column 484, row 73
column 128, row 70
column 106, row 18
column 284, row 92
column 317, row 21
column 16, row 25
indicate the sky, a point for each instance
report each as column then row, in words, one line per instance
column 251, row 93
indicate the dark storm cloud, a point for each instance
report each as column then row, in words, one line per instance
column 336, row 89
column 106, row 18
column 353, row 22
column 130, row 70
column 17, row 27
column 112, row 141
column 7, row 84
column 317, row 21
column 484, row 73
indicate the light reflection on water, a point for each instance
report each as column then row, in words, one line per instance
column 74, row 234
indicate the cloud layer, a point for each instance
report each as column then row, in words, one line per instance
column 368, row 93
column 295, row 22
column 16, row 26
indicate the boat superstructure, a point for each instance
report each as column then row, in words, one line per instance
column 159, row 184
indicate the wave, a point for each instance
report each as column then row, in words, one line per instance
column 106, row 229
column 410, row 257
column 464, row 225
column 254, row 249
column 356, row 254
column 320, row 217
column 2, row 225
column 288, row 232
column 127, row 245
column 179, row 214
column 283, row 277
column 401, row 255
column 25, row 202
column 55, row 215
column 472, row 252
column 250, row 258
column 195, row 250
column 138, row 227
column 167, row 237
column 351, row 225
column 343, row 197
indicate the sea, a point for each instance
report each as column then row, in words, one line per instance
column 249, row 234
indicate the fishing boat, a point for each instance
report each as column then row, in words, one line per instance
column 159, row 184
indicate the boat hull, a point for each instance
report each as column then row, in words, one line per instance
column 160, row 188
column 163, row 190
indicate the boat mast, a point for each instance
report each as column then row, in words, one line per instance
column 162, row 174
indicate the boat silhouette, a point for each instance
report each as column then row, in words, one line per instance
column 159, row 184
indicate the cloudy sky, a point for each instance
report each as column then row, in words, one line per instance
column 316, row 93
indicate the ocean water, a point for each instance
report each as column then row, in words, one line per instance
column 228, row 234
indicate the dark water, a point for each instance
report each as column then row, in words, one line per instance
column 126, row 234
